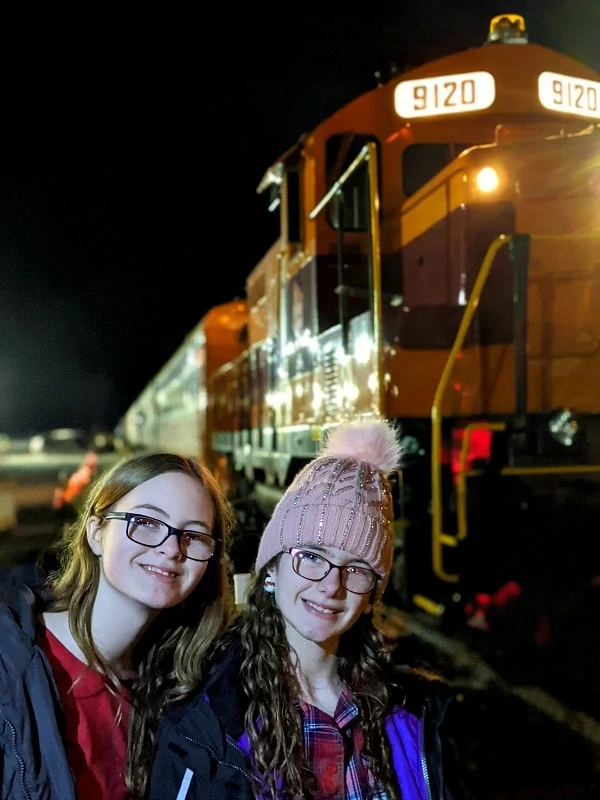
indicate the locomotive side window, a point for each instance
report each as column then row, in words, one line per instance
column 421, row 162
column 340, row 151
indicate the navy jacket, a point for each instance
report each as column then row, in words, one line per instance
column 197, row 743
column 33, row 761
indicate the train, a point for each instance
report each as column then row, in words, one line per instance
column 438, row 265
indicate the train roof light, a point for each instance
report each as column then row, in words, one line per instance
column 507, row 29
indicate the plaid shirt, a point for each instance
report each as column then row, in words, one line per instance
column 334, row 750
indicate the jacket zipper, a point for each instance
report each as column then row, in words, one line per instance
column 423, row 756
column 20, row 761
column 213, row 753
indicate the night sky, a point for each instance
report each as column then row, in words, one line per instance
column 130, row 156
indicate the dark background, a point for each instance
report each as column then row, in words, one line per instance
column 130, row 153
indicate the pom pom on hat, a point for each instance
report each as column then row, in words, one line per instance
column 341, row 499
column 370, row 441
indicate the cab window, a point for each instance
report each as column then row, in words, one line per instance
column 421, row 162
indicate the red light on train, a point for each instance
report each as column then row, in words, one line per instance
column 480, row 447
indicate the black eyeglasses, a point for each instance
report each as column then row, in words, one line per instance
column 314, row 567
column 152, row 532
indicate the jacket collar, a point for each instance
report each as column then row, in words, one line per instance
column 219, row 695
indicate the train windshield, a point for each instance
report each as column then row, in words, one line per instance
column 421, row 162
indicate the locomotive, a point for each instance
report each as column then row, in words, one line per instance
column 438, row 265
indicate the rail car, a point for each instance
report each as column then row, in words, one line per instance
column 438, row 264
column 174, row 411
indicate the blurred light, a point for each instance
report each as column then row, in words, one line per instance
column 362, row 348
column 487, row 179
column 36, row 444
column 564, row 427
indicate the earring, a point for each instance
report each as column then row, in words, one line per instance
column 269, row 585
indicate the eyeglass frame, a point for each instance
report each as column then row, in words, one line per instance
column 172, row 531
column 293, row 551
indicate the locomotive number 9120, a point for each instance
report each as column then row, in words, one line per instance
column 569, row 94
column 447, row 94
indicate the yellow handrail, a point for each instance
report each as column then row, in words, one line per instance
column 439, row 538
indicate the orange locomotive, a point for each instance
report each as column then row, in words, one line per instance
column 438, row 264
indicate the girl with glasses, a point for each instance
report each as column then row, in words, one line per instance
column 140, row 596
column 301, row 699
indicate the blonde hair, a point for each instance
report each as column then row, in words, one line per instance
column 170, row 656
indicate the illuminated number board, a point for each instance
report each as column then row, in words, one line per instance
column 448, row 94
column 570, row 95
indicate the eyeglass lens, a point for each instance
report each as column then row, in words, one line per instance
column 152, row 533
column 315, row 567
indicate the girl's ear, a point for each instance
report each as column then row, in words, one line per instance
column 94, row 535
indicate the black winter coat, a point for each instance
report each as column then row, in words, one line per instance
column 197, row 739
column 33, row 761
column 192, row 736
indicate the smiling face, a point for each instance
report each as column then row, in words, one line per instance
column 155, row 577
column 318, row 611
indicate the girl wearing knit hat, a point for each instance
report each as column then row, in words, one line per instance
column 301, row 699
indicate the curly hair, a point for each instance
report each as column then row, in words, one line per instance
column 273, row 719
column 171, row 654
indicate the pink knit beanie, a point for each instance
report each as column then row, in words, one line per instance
column 341, row 498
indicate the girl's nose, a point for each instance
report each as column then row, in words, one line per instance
column 332, row 582
column 170, row 546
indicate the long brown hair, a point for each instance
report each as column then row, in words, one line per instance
column 273, row 720
column 170, row 656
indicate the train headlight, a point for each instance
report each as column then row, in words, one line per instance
column 564, row 426
column 487, row 180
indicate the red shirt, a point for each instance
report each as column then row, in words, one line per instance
column 96, row 744
column 334, row 751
